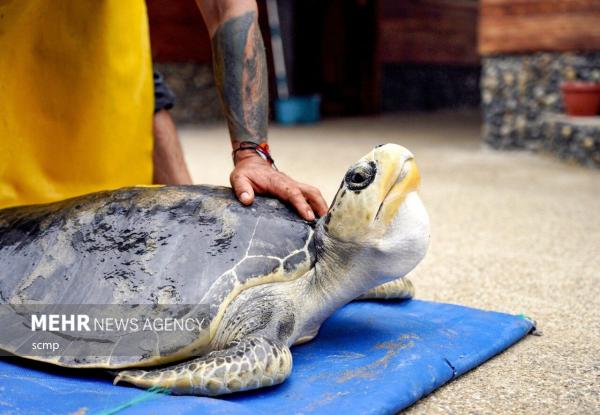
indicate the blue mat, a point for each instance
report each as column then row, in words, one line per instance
column 369, row 358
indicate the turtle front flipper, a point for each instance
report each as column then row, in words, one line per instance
column 245, row 364
column 399, row 289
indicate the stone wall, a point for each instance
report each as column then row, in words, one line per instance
column 521, row 93
column 197, row 100
column 405, row 87
column 573, row 138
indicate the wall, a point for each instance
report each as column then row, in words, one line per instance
column 428, row 54
column 429, row 32
column 177, row 32
column 361, row 55
column 529, row 48
column 181, row 51
column 521, row 26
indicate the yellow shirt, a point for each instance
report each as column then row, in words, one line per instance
column 75, row 98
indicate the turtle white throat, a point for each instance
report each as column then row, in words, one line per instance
column 376, row 232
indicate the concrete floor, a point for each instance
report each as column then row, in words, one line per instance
column 513, row 232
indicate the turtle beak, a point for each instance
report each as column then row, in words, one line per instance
column 400, row 177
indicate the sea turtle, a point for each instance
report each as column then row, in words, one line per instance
column 262, row 278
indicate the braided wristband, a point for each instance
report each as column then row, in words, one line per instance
column 261, row 149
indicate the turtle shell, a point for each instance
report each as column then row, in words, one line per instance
column 180, row 245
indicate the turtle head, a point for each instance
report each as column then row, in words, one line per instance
column 378, row 214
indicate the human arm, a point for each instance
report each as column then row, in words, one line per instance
column 240, row 71
column 169, row 165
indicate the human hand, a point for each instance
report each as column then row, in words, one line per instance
column 253, row 175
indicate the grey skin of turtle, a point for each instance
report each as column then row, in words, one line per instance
column 265, row 279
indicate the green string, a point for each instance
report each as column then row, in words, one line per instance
column 143, row 397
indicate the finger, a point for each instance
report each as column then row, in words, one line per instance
column 289, row 191
column 315, row 199
column 242, row 186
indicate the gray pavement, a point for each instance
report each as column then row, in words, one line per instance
column 511, row 231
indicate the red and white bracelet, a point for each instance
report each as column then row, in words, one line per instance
column 261, row 149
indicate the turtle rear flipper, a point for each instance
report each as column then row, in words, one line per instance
column 244, row 365
column 399, row 289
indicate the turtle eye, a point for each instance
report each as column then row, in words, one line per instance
column 360, row 176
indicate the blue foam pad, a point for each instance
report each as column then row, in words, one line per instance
column 370, row 357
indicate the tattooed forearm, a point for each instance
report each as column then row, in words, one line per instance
column 241, row 77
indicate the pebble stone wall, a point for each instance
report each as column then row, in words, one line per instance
column 573, row 139
column 197, row 100
column 521, row 103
